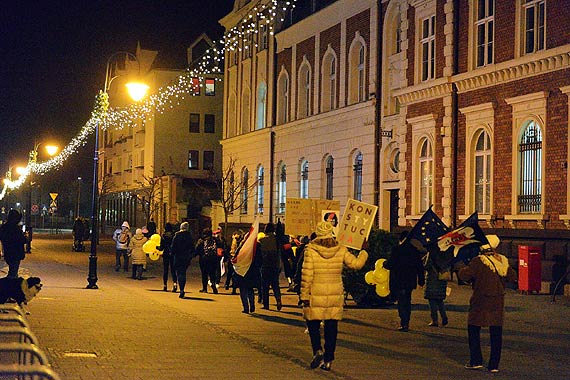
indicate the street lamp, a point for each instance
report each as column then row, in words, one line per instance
column 78, row 196
column 137, row 92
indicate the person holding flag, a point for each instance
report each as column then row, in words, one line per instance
column 247, row 268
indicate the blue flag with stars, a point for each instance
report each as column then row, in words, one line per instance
column 428, row 229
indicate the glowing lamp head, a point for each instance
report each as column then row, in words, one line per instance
column 137, row 90
column 20, row 170
column 51, row 150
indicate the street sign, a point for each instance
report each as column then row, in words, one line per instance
column 35, row 209
column 53, row 204
column 53, row 196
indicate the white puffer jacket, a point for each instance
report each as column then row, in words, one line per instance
column 321, row 279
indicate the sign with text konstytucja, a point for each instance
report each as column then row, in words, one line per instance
column 356, row 223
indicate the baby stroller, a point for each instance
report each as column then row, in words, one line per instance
column 78, row 235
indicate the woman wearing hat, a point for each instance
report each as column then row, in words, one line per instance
column 488, row 274
column 322, row 292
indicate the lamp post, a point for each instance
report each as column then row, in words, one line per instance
column 102, row 103
column 78, row 196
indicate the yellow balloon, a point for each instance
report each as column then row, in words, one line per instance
column 382, row 276
column 149, row 247
column 382, row 291
column 155, row 255
column 155, row 238
column 370, row 278
column 379, row 265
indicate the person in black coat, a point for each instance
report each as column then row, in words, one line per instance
column 182, row 250
column 168, row 258
column 406, row 273
column 247, row 283
column 13, row 241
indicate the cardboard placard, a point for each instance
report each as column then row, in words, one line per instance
column 302, row 215
column 356, row 223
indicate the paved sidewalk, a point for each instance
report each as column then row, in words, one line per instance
column 131, row 329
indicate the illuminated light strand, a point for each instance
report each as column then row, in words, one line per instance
column 167, row 97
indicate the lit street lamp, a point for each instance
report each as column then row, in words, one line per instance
column 137, row 92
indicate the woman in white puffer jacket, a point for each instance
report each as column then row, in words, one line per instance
column 322, row 291
column 137, row 253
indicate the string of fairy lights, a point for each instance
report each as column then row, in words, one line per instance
column 261, row 18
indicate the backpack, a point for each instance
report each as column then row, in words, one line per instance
column 210, row 248
column 123, row 237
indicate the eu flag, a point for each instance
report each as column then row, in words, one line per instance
column 428, row 229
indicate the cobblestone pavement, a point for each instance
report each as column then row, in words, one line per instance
column 130, row 329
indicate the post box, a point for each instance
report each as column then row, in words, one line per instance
column 530, row 269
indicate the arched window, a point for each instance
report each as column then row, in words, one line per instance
column 261, row 105
column 245, row 111
column 357, row 176
column 260, row 189
column 426, row 175
column 329, row 81
column 482, row 175
column 357, row 73
column 244, row 190
column 530, row 169
column 329, row 171
column 304, row 180
column 231, row 131
column 282, row 189
column 283, row 98
column 304, row 91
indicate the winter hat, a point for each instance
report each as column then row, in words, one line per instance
column 324, row 230
column 493, row 242
column 125, row 224
column 138, row 231
column 184, row 226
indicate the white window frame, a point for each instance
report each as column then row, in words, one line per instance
column 281, row 188
column 537, row 32
column 304, row 179
column 260, row 190
column 487, row 22
column 427, row 40
column 357, row 175
column 329, row 177
column 357, row 70
column 423, row 128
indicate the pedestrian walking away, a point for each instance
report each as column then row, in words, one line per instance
column 137, row 253
column 13, row 241
column 435, row 292
column 406, row 273
column 488, row 273
column 182, row 250
column 207, row 251
column 167, row 258
column 322, row 291
column 122, row 237
column 268, row 247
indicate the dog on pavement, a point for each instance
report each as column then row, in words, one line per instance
column 20, row 290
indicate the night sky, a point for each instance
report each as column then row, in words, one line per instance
column 53, row 56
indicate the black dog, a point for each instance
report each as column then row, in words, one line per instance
column 20, row 289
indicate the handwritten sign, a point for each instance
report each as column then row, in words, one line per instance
column 302, row 215
column 356, row 223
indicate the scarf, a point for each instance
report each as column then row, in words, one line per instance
column 498, row 265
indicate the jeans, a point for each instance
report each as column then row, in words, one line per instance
column 247, row 296
column 270, row 278
column 404, row 306
column 434, row 307
column 331, row 331
column 124, row 254
column 476, row 358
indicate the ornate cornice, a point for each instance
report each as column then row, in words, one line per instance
column 416, row 94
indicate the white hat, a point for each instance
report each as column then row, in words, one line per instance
column 125, row 224
column 138, row 231
column 184, row 226
column 324, row 230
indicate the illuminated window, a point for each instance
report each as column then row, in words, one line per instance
column 193, row 159
column 195, row 86
column 304, row 180
column 260, row 189
column 282, row 189
column 357, row 176
column 428, row 48
column 210, row 87
column 426, row 175
column 482, row 173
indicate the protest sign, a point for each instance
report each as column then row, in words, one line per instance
column 302, row 215
column 356, row 223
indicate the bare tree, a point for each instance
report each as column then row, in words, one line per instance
column 234, row 192
column 147, row 195
column 105, row 187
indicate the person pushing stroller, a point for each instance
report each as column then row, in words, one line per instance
column 78, row 235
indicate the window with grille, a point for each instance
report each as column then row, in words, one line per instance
column 530, row 169
column 428, row 48
column 485, row 31
column 304, row 183
column 534, row 20
column 482, row 173
column 357, row 174
column 260, row 189
column 329, row 169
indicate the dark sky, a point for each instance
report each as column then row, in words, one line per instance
column 53, row 56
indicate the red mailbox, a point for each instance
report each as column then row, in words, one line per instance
column 530, row 270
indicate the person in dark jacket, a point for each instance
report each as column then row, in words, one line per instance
column 182, row 250
column 247, row 283
column 167, row 258
column 13, row 241
column 406, row 273
column 435, row 292
column 207, row 250
column 489, row 272
column 268, row 247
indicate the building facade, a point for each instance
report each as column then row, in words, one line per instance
column 162, row 167
column 455, row 104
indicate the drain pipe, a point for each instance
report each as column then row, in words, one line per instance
column 377, row 112
column 454, row 112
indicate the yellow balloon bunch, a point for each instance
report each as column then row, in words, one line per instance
column 150, row 247
column 379, row 277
